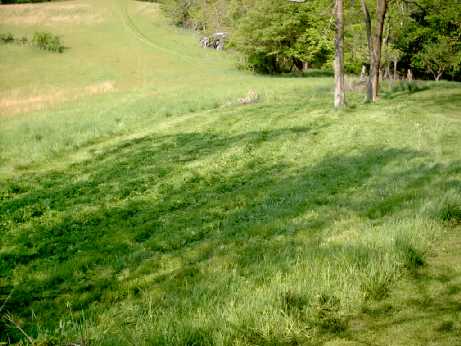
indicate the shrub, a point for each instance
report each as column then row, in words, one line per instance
column 450, row 213
column 48, row 41
column 376, row 286
column 7, row 37
column 23, row 40
column 327, row 314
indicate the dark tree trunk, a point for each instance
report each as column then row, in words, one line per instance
column 381, row 10
column 367, row 20
column 299, row 64
column 340, row 99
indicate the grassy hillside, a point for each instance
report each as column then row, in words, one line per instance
column 141, row 204
column 124, row 70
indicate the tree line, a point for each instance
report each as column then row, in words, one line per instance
column 273, row 36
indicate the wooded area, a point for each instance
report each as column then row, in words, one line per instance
column 280, row 36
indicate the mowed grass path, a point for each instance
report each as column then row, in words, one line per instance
column 183, row 218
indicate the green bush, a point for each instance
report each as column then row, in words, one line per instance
column 48, row 41
column 23, row 40
column 7, row 37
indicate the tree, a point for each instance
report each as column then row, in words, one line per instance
column 278, row 36
column 381, row 9
column 374, row 42
column 438, row 57
column 391, row 55
column 340, row 98
column 367, row 21
column 422, row 28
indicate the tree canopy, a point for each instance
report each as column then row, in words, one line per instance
column 279, row 36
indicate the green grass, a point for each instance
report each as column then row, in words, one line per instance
column 164, row 213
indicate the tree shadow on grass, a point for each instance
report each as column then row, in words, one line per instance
column 447, row 101
column 77, row 237
column 311, row 73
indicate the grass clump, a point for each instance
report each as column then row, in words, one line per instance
column 451, row 213
column 411, row 256
column 376, row 286
column 327, row 314
column 7, row 38
column 448, row 207
column 48, row 41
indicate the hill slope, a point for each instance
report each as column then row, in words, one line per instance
column 160, row 211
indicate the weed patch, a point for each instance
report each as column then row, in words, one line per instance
column 48, row 41
column 328, row 315
column 411, row 257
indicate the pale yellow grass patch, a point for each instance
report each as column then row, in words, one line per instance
column 70, row 12
column 147, row 8
column 17, row 101
column 344, row 232
column 100, row 88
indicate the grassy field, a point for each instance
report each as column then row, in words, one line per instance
column 141, row 204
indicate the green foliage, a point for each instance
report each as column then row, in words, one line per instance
column 413, row 32
column 48, row 41
column 438, row 57
column 179, row 12
column 277, row 37
column 427, row 33
column 272, row 36
column 207, row 16
column 7, row 37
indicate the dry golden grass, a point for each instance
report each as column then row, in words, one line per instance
column 16, row 101
column 147, row 9
column 48, row 14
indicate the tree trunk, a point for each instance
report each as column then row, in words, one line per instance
column 305, row 66
column 409, row 75
column 340, row 99
column 363, row 74
column 367, row 20
column 395, row 69
column 377, row 44
column 387, row 72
